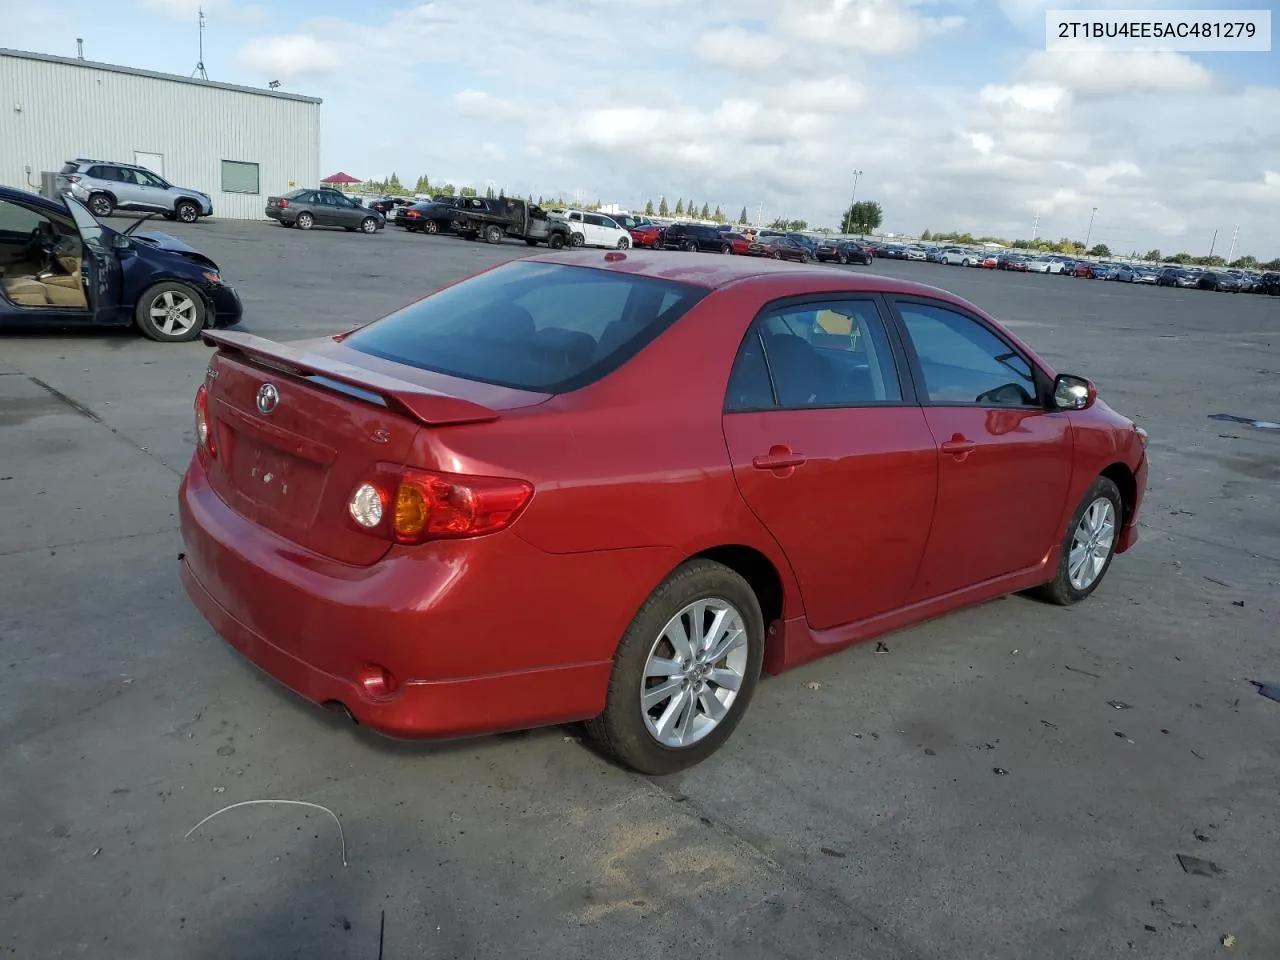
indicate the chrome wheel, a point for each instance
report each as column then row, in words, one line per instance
column 1092, row 543
column 694, row 672
column 174, row 313
column 369, row 225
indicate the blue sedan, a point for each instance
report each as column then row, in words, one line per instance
column 59, row 266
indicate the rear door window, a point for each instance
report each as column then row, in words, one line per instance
column 549, row 328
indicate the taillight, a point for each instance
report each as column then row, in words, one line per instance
column 73, row 179
column 412, row 213
column 204, row 423
column 406, row 505
column 282, row 203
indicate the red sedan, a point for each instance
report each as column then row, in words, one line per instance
column 613, row 487
column 644, row 232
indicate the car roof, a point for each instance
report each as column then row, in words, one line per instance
column 25, row 196
column 716, row 272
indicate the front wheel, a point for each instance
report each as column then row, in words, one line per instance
column 187, row 211
column 170, row 312
column 555, row 241
column 1089, row 545
column 368, row 225
column 684, row 672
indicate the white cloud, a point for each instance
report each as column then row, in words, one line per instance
column 1035, row 98
column 1116, row 74
column 291, row 56
column 873, row 26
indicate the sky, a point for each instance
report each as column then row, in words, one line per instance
column 954, row 113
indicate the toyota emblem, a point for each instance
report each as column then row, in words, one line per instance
column 268, row 397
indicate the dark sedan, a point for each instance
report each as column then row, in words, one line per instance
column 305, row 209
column 780, row 248
column 60, row 267
column 1219, row 281
column 429, row 216
column 843, row 251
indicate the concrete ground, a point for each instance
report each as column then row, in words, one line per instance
column 856, row 813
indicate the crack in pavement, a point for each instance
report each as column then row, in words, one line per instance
column 84, row 411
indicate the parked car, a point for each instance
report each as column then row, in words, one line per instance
column 464, row 471
column 387, row 205
column 1268, row 283
column 780, row 247
column 914, row 252
column 593, row 229
column 1177, row 277
column 59, row 266
column 644, row 232
column 990, row 263
column 694, row 237
column 1084, row 269
column 1045, row 265
column 1218, row 280
column 738, row 243
column 426, row 216
column 106, row 186
column 843, row 251
column 307, row 208
column 958, row 257
column 1133, row 273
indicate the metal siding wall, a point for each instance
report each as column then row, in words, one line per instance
column 72, row 111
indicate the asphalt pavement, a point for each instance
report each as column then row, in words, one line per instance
column 1012, row 781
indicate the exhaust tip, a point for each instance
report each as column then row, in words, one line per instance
column 337, row 706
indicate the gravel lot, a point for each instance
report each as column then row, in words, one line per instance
column 856, row 813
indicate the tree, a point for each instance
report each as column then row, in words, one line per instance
column 717, row 216
column 648, row 208
column 680, row 207
column 489, row 194
column 926, row 236
column 539, row 199
column 662, row 207
column 1245, row 263
column 706, row 212
column 468, row 192
column 742, row 217
column 1153, row 256
column 1100, row 250
column 394, row 185
column 423, row 185
column 862, row 217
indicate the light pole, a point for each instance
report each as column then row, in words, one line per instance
column 848, row 220
column 1089, row 232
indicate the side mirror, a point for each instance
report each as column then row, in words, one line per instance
column 121, row 242
column 1073, row 393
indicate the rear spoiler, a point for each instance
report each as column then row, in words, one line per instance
column 428, row 407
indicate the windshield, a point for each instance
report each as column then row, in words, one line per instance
column 544, row 327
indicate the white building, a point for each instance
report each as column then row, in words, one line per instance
column 237, row 144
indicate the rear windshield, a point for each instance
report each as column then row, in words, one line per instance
column 545, row 327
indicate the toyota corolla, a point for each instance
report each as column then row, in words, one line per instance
column 614, row 487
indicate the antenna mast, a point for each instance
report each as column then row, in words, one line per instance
column 200, row 62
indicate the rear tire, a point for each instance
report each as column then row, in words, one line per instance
column 691, row 247
column 1103, row 497
column 431, row 227
column 624, row 729
column 101, row 205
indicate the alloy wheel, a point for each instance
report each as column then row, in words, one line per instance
column 173, row 313
column 693, row 673
column 1092, row 543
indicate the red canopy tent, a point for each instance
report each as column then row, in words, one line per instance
column 342, row 179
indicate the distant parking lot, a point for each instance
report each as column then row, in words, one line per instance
column 1013, row 781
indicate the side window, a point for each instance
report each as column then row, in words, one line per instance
column 964, row 362
column 594, row 219
column 749, row 385
column 20, row 221
column 831, row 354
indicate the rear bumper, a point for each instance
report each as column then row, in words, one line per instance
column 474, row 632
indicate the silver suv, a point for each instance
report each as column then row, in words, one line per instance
column 104, row 186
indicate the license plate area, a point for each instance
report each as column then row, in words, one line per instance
column 276, row 480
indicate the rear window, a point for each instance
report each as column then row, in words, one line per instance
column 545, row 327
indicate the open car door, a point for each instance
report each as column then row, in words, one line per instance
column 101, row 264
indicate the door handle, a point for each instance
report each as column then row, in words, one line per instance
column 778, row 461
column 958, row 446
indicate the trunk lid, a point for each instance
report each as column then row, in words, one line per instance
column 328, row 415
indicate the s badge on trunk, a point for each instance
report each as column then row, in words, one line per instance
column 268, row 398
